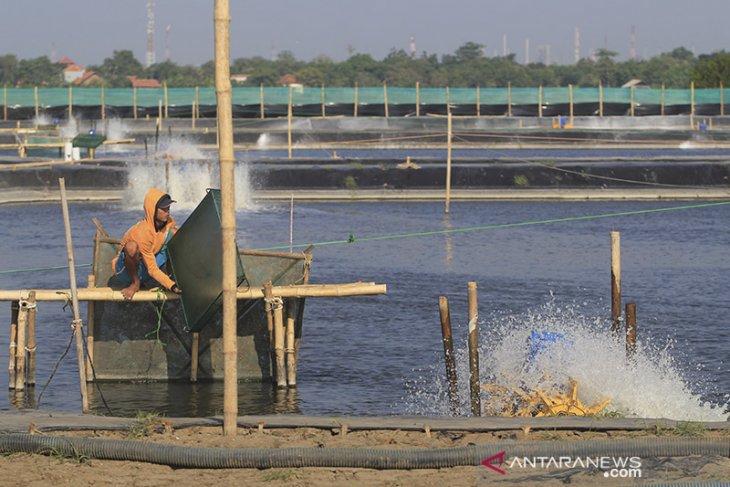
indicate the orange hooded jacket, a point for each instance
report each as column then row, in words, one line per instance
column 149, row 240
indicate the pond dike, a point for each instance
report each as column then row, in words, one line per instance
column 417, row 178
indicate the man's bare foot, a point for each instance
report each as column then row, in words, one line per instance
column 129, row 292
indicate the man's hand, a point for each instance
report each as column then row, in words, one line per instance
column 176, row 289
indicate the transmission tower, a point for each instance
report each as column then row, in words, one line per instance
column 632, row 47
column 577, row 45
column 150, row 59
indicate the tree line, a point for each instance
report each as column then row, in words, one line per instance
column 466, row 67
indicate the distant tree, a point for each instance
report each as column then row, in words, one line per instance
column 39, row 72
column 8, row 69
column 711, row 70
column 468, row 52
column 115, row 69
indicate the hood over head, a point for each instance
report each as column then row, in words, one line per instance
column 150, row 205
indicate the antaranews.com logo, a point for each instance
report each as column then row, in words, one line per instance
column 612, row 467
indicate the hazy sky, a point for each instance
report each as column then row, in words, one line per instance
column 90, row 30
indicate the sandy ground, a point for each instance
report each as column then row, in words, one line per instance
column 37, row 470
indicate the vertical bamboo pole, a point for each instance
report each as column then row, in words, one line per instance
column 356, row 101
column 192, row 115
column 194, row 352
column 288, row 123
column 479, row 102
column 291, row 358
column 539, row 101
column 291, row 225
column 570, row 96
column 261, row 101
column 103, row 102
column 722, row 100
column 134, row 102
column 448, row 162
column 70, row 102
column 662, row 109
column 630, row 329
column 418, row 98
column 159, row 113
column 476, row 407
column 5, row 102
column 448, row 100
column 279, row 340
column 228, row 217
column 600, row 99
column 269, row 310
column 692, row 104
column 77, row 323
column 14, row 307
column 164, row 91
column 509, row 98
column 385, row 98
column 323, row 103
column 20, row 349
column 197, row 102
column 449, row 360
column 35, row 99
column 90, row 330
column 31, row 338
column 631, row 100
column 615, row 283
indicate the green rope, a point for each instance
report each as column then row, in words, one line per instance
column 35, row 269
column 351, row 238
column 161, row 298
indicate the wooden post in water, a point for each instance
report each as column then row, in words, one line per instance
column 448, row 100
column 164, row 91
column 385, row 97
column 261, row 101
column 288, row 123
column 279, row 341
column 291, row 358
column 159, row 113
column 539, row 101
column 134, row 102
column 90, row 329
column 194, row 351
column 418, row 98
column 192, row 115
column 269, row 310
column 662, row 108
column 615, row 283
column 70, row 102
column 35, row 99
column 479, row 102
column 692, row 104
column 449, row 359
column 631, row 100
column 324, row 114
column 77, row 323
column 509, row 98
column 197, row 102
column 14, row 308
column 448, row 162
column 476, row 406
column 355, row 102
column 600, row 99
column 570, row 96
column 20, row 349
column 222, row 22
column 31, row 338
column 5, row 102
column 103, row 102
column 630, row 329
column 722, row 100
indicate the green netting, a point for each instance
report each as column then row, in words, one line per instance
column 25, row 97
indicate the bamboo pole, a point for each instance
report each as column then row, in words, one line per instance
column 324, row 114
column 192, row 115
column 692, row 105
column 14, row 307
column 5, row 102
column 291, row 358
column 261, row 101
column 31, row 339
column 289, row 123
column 159, row 113
column 479, row 102
column 228, row 215
column 385, row 98
column 630, row 329
column 354, row 106
column 475, row 400
column 631, row 100
column 662, row 108
column 134, row 102
column 449, row 360
column 615, row 282
column 509, row 98
column 35, row 99
column 103, row 102
column 722, row 100
column 418, row 98
column 279, row 340
column 70, row 102
column 77, row 323
column 269, row 310
column 20, row 349
column 194, row 351
column 448, row 100
column 570, row 96
column 197, row 102
column 164, row 91
column 448, row 163
column 539, row 101
column 600, row 99
column 90, row 331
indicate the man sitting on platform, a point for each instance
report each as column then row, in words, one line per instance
column 143, row 249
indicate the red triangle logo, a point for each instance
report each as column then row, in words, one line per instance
column 488, row 463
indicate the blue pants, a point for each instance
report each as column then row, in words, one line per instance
column 123, row 277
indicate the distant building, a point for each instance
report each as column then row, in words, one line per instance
column 144, row 83
column 635, row 83
column 90, row 78
column 71, row 70
column 287, row 80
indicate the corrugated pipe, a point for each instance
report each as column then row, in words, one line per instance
column 382, row 459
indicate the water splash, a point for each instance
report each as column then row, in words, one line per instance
column 43, row 119
column 116, row 128
column 649, row 386
column 70, row 129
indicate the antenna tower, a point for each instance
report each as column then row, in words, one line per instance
column 150, row 59
column 577, row 45
column 632, row 46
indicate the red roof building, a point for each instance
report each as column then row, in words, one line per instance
column 144, row 83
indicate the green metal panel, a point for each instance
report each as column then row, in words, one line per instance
column 88, row 141
column 196, row 257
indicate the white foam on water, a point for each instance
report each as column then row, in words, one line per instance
column 42, row 119
column 650, row 385
column 263, row 141
column 70, row 129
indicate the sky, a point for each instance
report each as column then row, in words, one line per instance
column 88, row 31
